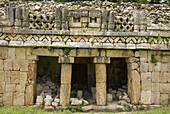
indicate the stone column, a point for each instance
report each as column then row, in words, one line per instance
column 136, row 21
column 133, row 79
column 66, row 72
column 101, row 79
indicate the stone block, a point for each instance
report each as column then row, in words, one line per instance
column 20, row 53
column 155, row 87
column 146, row 76
column 146, row 85
column 164, row 88
column 164, row 99
column 8, row 64
column 66, row 72
column 156, row 98
column 132, row 66
column 46, row 52
column 134, row 86
column 23, row 65
column 10, row 88
column 101, row 73
column 15, row 77
column 65, row 94
column 29, row 95
column 137, row 54
column 1, row 64
column 2, row 87
column 2, row 76
column 143, row 56
column 16, row 64
column 109, row 97
column 8, row 98
column 101, row 59
column 146, row 97
column 19, row 99
column 144, row 67
column 164, row 77
column 20, row 88
column 164, row 67
column 3, row 52
column 101, row 93
column 31, row 72
column 8, row 76
column 23, row 77
column 11, row 53
column 155, row 67
column 66, row 59
column 119, row 53
column 155, row 77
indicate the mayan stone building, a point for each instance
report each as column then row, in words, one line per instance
column 98, row 47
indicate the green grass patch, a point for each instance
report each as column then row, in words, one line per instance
column 161, row 110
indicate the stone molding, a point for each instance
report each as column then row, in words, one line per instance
column 108, row 42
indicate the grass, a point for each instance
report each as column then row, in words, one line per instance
column 163, row 110
column 40, row 110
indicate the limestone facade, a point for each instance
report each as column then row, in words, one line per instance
column 102, row 34
column 148, row 82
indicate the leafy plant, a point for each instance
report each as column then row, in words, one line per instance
column 153, row 59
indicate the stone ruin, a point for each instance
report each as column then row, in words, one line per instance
column 82, row 53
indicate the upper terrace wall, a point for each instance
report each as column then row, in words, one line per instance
column 86, row 25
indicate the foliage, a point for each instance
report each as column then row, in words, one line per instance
column 153, row 59
column 137, row 1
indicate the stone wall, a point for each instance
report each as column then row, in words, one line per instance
column 148, row 73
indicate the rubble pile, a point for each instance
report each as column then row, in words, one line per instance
column 119, row 95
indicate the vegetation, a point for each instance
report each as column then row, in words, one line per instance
column 137, row 1
column 40, row 110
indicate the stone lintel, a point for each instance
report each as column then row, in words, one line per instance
column 101, row 60
column 66, row 59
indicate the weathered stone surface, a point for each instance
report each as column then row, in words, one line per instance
column 109, row 97
column 29, row 95
column 15, row 77
column 155, row 67
column 8, row 64
column 65, row 94
column 144, row 67
column 2, row 87
column 3, row 52
column 146, row 76
column 156, row 98
column 119, row 53
column 11, row 53
column 87, row 108
column 66, row 72
column 19, row 99
column 164, row 77
column 2, row 76
column 164, row 99
column 23, row 77
column 146, row 85
column 31, row 72
column 21, row 87
column 164, row 67
column 10, row 88
column 1, row 64
column 134, row 86
column 48, row 108
column 8, row 98
column 100, row 73
column 146, row 97
column 79, row 94
column 20, row 53
column 111, row 108
column 155, row 87
column 164, row 88
column 101, row 93
column 155, row 77
column 143, row 56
